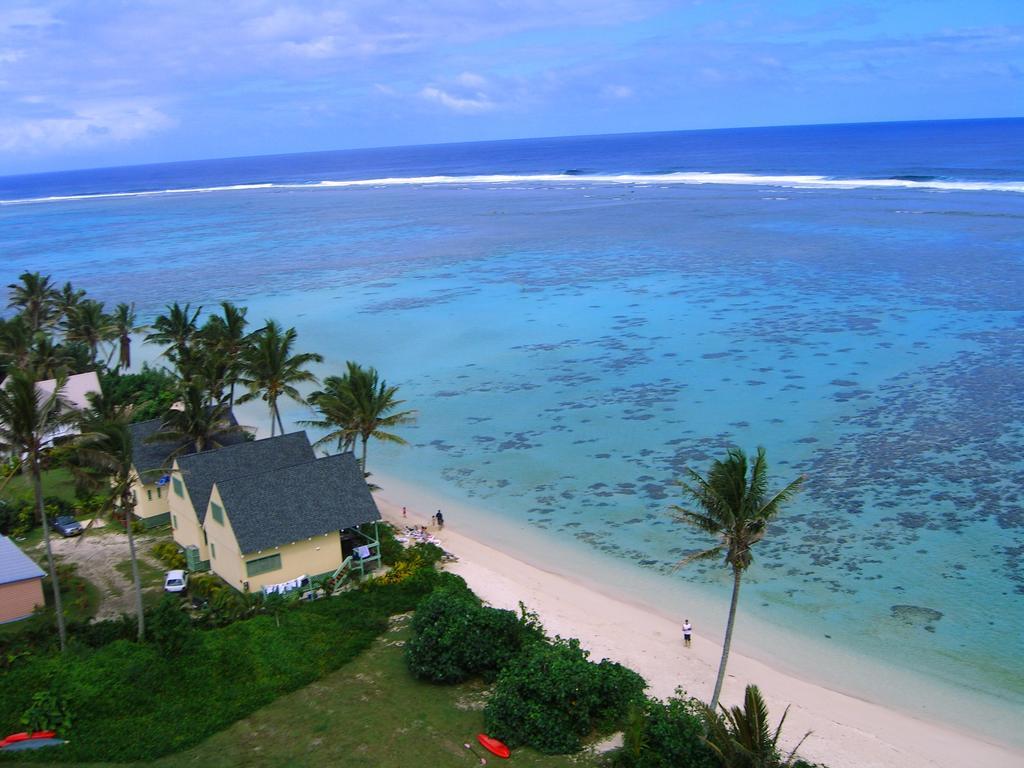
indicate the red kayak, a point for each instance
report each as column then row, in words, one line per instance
column 493, row 746
column 16, row 738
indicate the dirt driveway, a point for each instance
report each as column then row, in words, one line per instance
column 96, row 553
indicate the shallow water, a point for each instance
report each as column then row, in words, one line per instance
column 572, row 347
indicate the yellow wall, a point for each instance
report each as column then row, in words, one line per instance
column 150, row 507
column 309, row 557
column 184, row 523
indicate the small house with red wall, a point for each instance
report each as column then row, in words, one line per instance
column 21, row 583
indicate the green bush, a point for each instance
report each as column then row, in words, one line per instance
column 170, row 628
column 49, row 711
column 456, row 638
column 552, row 697
column 170, row 554
column 665, row 735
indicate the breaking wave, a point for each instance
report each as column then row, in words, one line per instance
column 576, row 178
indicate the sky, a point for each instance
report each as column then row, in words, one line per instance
column 92, row 83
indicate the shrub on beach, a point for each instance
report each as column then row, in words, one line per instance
column 665, row 735
column 456, row 638
column 552, row 697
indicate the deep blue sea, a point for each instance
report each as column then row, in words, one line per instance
column 578, row 319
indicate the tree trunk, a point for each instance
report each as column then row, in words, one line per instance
column 737, row 574
column 37, row 484
column 363, row 462
column 280, row 423
column 128, row 508
column 273, row 417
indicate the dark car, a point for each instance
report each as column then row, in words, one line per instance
column 66, row 526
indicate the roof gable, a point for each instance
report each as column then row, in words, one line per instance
column 272, row 509
column 200, row 471
column 15, row 565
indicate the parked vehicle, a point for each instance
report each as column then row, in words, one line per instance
column 176, row 582
column 66, row 526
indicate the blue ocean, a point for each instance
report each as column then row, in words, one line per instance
column 577, row 320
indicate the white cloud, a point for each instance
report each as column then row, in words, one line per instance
column 617, row 92
column 88, row 125
column 471, row 104
column 320, row 48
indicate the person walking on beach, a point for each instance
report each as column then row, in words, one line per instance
column 687, row 630
column 440, row 519
column 403, row 511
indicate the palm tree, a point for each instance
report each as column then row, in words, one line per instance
column 196, row 422
column 124, row 325
column 47, row 359
column 271, row 370
column 89, row 324
column 27, row 418
column 225, row 341
column 176, row 330
column 741, row 737
column 359, row 404
column 106, row 446
column 335, row 405
column 36, row 298
column 67, row 297
column 737, row 509
column 16, row 339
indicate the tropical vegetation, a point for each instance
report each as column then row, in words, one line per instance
column 734, row 505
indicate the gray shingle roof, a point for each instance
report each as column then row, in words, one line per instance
column 276, row 508
column 150, row 459
column 15, row 565
column 201, row 470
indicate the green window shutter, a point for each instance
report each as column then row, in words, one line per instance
column 213, row 549
column 149, row 494
column 178, row 487
column 262, row 565
column 159, row 492
column 174, row 521
column 217, row 512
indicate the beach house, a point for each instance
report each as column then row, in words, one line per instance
column 74, row 397
column 151, row 464
column 268, row 511
column 21, row 583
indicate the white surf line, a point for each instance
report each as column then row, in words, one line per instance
column 733, row 179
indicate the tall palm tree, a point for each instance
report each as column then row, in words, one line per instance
column 47, row 359
column 27, row 418
column 89, row 324
column 195, row 422
column 271, row 370
column 736, row 508
column 16, row 339
column 105, row 445
column 360, row 404
column 176, row 330
column 36, row 298
column 67, row 297
column 335, row 405
column 124, row 321
column 225, row 341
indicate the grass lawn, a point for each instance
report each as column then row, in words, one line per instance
column 370, row 714
column 152, row 579
column 56, row 482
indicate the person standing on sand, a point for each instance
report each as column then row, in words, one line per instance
column 687, row 630
column 440, row 519
column 403, row 511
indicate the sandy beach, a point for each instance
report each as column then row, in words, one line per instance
column 847, row 732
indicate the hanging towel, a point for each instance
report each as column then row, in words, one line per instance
column 363, row 552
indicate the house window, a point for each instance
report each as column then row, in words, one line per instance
column 213, row 550
column 159, row 492
column 217, row 512
column 174, row 521
column 178, row 488
column 205, row 539
column 262, row 565
column 149, row 494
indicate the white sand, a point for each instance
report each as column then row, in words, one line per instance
column 847, row 732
